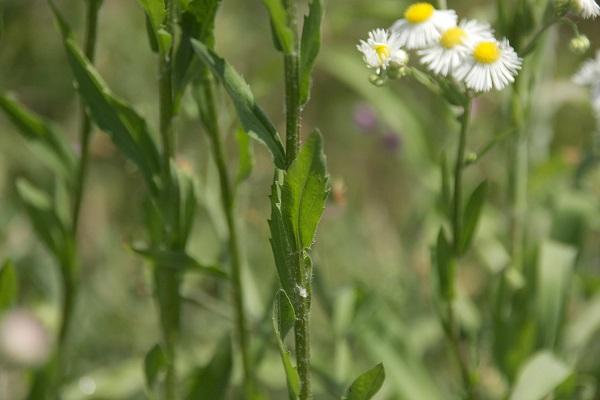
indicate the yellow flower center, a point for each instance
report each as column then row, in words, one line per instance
column 383, row 51
column 419, row 12
column 452, row 37
column 486, row 52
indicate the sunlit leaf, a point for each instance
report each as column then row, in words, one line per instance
column 305, row 191
column 540, row 375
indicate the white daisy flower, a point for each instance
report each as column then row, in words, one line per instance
column 382, row 49
column 455, row 44
column 587, row 8
column 422, row 25
column 589, row 73
column 490, row 65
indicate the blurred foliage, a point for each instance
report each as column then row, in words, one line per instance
column 373, row 292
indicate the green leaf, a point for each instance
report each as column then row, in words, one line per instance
column 446, row 199
column 156, row 12
column 281, row 243
column 472, row 214
column 540, row 375
column 47, row 225
column 305, row 191
column 212, row 381
column 246, row 157
column 310, row 46
column 252, row 117
column 445, row 266
column 36, row 129
column 154, row 363
column 127, row 129
column 554, row 274
column 366, row 385
column 283, row 321
column 177, row 260
column 284, row 36
column 9, row 286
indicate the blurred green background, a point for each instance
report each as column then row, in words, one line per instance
column 373, row 299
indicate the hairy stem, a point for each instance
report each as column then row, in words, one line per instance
column 303, row 272
column 228, row 202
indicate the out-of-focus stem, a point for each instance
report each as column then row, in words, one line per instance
column 228, row 203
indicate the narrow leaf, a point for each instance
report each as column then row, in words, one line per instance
column 540, row 375
column 37, row 129
column 472, row 214
column 178, row 260
column 445, row 266
column 366, row 385
column 252, row 117
column 8, row 285
column 283, row 321
column 212, row 381
column 155, row 362
column 305, row 191
column 246, row 157
column 156, row 12
column 126, row 128
column 310, row 46
column 284, row 36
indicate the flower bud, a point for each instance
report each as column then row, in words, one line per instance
column 377, row 80
column 579, row 44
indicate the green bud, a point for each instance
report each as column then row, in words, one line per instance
column 377, row 80
column 579, row 44
column 471, row 158
column 397, row 71
column 562, row 7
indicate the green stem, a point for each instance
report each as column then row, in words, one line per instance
column 303, row 270
column 227, row 197
column 518, row 177
column 86, row 123
column 167, row 281
column 452, row 329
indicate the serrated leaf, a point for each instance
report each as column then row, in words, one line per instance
column 127, row 129
column 555, row 269
column 283, row 35
column 37, row 129
column 283, row 250
column 540, row 375
column 472, row 214
column 445, row 266
column 283, row 321
column 367, row 385
column 212, row 381
column 310, row 46
column 178, row 260
column 155, row 362
column 252, row 117
column 246, row 156
column 8, row 285
column 305, row 191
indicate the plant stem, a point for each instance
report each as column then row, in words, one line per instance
column 304, row 269
column 452, row 329
column 518, row 177
column 227, row 197
column 167, row 281
column 93, row 7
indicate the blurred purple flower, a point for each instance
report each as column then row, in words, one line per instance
column 365, row 117
column 391, row 141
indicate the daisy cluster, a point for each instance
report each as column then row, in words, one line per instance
column 466, row 51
